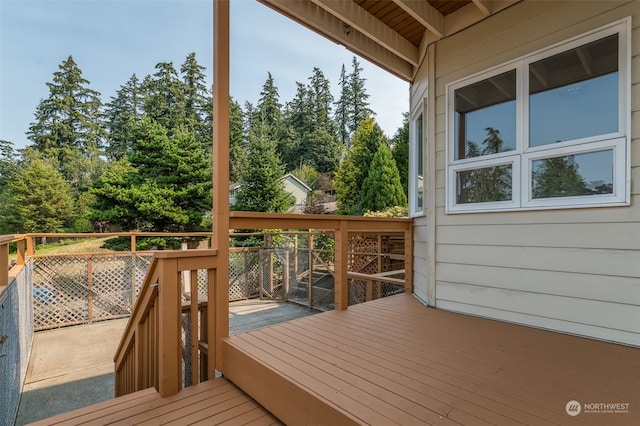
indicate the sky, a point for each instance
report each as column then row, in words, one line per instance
column 112, row 39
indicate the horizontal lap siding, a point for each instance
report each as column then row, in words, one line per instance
column 571, row 270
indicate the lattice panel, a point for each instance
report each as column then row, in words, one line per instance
column 71, row 290
column 60, row 291
column 244, row 274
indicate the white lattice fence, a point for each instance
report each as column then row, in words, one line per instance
column 78, row 289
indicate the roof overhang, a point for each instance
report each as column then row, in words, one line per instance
column 392, row 34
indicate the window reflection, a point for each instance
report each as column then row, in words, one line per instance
column 573, row 175
column 574, row 94
column 485, row 117
column 484, row 185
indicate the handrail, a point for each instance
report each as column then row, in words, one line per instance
column 149, row 353
column 341, row 226
column 5, row 271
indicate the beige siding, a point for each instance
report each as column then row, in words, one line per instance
column 571, row 270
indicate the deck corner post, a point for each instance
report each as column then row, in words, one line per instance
column 341, row 284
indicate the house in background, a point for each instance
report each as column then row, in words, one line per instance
column 525, row 152
column 292, row 185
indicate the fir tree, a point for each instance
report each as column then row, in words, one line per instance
column 381, row 188
column 38, row 199
column 67, row 127
column 262, row 189
column 400, row 144
column 198, row 102
column 358, row 106
column 341, row 115
column 237, row 145
column 122, row 114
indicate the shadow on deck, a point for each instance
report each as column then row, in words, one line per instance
column 393, row 361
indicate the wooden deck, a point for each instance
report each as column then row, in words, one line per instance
column 215, row 402
column 394, row 361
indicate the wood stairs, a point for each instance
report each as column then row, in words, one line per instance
column 214, row 402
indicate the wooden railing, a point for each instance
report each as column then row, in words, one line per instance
column 7, row 271
column 150, row 352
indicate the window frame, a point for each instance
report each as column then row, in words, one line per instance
column 416, row 156
column 523, row 156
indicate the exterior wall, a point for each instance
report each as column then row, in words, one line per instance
column 570, row 270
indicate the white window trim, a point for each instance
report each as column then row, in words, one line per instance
column 414, row 210
column 522, row 157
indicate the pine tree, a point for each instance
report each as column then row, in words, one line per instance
column 262, row 189
column 269, row 108
column 355, row 166
column 122, row 114
column 237, row 145
column 165, row 185
column 400, row 143
column 341, row 115
column 38, row 199
column 358, row 106
column 381, row 188
column 198, row 102
column 164, row 97
column 67, row 129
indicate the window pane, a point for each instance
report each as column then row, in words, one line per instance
column 419, row 165
column 574, row 94
column 485, row 117
column 484, row 185
column 573, row 175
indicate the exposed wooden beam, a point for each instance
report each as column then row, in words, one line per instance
column 482, row 6
column 355, row 16
column 319, row 20
column 424, row 13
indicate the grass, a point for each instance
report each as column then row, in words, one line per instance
column 92, row 245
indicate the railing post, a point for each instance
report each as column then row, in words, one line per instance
column 90, row 289
column 408, row 259
column 31, row 246
column 169, row 333
column 310, row 270
column 341, row 283
column 133, row 242
column 4, row 264
column 21, row 258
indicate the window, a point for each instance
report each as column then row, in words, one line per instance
column 416, row 167
column 548, row 130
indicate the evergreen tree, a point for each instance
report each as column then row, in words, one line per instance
column 165, row 185
column 296, row 123
column 355, row 166
column 381, row 188
column 269, row 108
column 67, row 129
column 358, row 106
column 198, row 102
column 165, row 98
column 400, row 143
column 237, row 145
column 121, row 116
column 38, row 200
column 341, row 115
column 262, row 189
column 8, row 166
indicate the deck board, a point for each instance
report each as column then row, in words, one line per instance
column 394, row 361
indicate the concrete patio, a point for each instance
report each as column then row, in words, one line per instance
column 73, row 367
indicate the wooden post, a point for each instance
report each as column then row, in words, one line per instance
column 219, row 296
column 4, row 264
column 169, row 333
column 90, row 289
column 21, row 259
column 133, row 242
column 341, row 283
column 310, row 270
column 408, row 260
column 31, row 245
